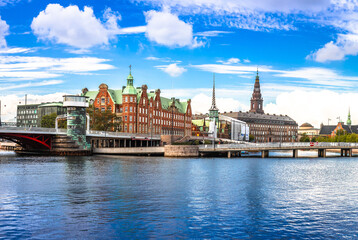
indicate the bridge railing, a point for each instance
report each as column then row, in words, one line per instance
column 122, row 134
column 282, row 145
column 31, row 129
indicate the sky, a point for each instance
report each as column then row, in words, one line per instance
column 305, row 51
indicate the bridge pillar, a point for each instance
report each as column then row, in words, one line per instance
column 295, row 153
column 350, row 152
column 239, row 153
column 342, row 152
column 322, row 153
column 265, row 153
column 229, row 154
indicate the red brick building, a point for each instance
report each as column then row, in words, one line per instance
column 142, row 111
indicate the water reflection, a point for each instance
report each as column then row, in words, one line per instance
column 131, row 197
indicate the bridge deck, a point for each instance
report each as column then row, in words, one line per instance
column 276, row 146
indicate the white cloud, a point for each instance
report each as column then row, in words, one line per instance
column 132, row 30
column 345, row 45
column 166, row 59
column 201, row 103
column 312, row 75
column 70, row 26
column 167, row 29
column 78, row 28
column 315, row 107
column 214, row 33
column 238, row 6
column 27, row 85
column 230, row 61
column 4, row 31
column 172, row 69
column 21, row 67
column 16, row 50
column 9, row 103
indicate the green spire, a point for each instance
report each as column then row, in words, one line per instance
column 129, row 88
column 349, row 121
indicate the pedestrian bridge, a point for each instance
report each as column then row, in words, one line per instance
column 265, row 148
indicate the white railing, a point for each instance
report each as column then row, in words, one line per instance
column 64, row 131
column 122, row 134
column 281, row 145
column 31, row 129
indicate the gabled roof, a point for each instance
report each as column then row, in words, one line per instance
column 327, row 129
column 116, row 96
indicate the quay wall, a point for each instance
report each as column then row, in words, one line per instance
column 181, row 151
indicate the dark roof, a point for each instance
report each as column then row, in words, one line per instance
column 306, row 125
column 250, row 117
column 328, row 129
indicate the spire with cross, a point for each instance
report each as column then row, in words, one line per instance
column 213, row 111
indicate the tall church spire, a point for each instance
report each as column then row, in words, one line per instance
column 256, row 100
column 213, row 111
column 213, row 100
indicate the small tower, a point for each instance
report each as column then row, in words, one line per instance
column 213, row 113
column 129, row 105
column 76, row 118
column 349, row 121
column 256, row 100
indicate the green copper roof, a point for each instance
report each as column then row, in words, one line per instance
column 130, row 76
column 53, row 104
column 116, row 96
column 129, row 90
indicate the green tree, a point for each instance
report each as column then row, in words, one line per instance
column 251, row 138
column 313, row 139
column 49, row 121
column 105, row 121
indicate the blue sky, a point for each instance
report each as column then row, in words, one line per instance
column 305, row 51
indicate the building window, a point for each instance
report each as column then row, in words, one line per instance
column 126, row 99
column 125, row 127
column 130, row 127
column 126, row 109
column 103, row 101
column 103, row 109
column 130, row 118
column 125, row 118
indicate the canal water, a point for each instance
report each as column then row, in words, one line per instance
column 106, row 197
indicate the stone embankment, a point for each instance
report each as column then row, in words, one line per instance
column 181, row 151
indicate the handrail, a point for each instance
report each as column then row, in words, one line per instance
column 281, row 145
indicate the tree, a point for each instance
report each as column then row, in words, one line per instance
column 251, row 138
column 49, row 121
column 105, row 121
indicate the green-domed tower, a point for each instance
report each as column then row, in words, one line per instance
column 349, row 121
column 130, row 89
